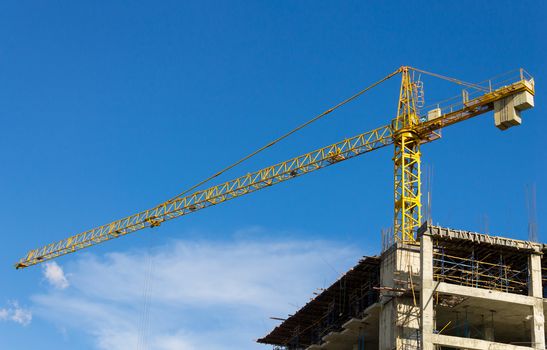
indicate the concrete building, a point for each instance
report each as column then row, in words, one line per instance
column 453, row 290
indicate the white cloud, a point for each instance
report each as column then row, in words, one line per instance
column 55, row 275
column 205, row 295
column 13, row 312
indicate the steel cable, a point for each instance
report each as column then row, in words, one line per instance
column 284, row 136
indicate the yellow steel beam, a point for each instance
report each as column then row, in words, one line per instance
column 474, row 107
column 238, row 187
column 406, row 160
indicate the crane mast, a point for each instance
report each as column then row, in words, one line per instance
column 406, row 160
column 407, row 131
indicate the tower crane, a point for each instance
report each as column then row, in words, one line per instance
column 406, row 132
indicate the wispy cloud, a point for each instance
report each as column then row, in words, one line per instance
column 55, row 275
column 13, row 312
column 186, row 295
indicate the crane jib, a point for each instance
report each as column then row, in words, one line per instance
column 198, row 200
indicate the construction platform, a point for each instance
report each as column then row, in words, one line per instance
column 454, row 290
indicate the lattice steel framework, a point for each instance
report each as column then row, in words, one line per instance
column 238, row 187
column 408, row 217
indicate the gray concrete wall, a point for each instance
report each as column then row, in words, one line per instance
column 399, row 316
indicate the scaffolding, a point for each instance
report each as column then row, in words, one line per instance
column 493, row 270
column 349, row 305
column 347, row 298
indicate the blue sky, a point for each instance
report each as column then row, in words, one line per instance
column 111, row 107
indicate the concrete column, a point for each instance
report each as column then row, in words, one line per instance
column 535, row 290
column 534, row 270
column 489, row 326
column 489, row 333
column 426, row 293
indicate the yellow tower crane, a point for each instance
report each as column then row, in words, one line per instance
column 407, row 131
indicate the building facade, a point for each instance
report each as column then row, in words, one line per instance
column 452, row 290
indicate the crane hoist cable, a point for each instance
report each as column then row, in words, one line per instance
column 143, row 325
column 284, row 136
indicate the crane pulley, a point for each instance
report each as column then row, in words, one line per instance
column 407, row 131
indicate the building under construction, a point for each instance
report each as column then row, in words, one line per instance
column 452, row 289
column 431, row 287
